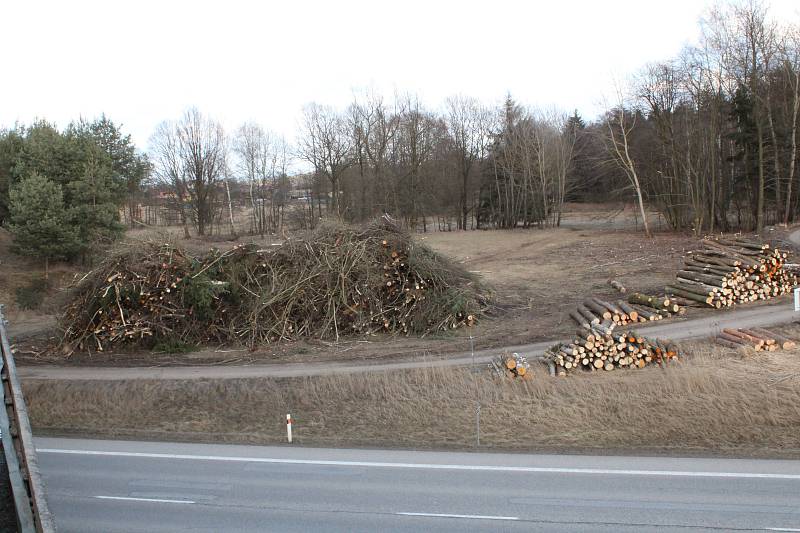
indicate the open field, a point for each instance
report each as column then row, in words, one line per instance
column 537, row 277
column 714, row 402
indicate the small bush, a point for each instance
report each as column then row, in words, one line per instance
column 173, row 346
column 32, row 295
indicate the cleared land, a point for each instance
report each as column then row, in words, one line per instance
column 715, row 402
column 537, row 276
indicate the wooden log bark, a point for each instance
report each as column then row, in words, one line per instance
column 655, row 302
column 630, row 311
column 708, row 279
column 784, row 342
column 588, row 315
column 729, row 344
column 754, row 341
column 690, row 295
column 617, row 286
column 597, row 309
column 580, row 319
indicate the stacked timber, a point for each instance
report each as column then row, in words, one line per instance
column 640, row 308
column 731, row 270
column 758, row 339
column 512, row 366
column 593, row 350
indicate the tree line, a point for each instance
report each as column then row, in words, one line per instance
column 707, row 139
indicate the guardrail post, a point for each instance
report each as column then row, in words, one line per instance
column 20, row 453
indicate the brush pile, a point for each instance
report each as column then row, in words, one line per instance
column 593, row 350
column 731, row 270
column 512, row 366
column 604, row 316
column 757, row 339
column 338, row 281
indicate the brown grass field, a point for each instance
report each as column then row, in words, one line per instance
column 714, row 402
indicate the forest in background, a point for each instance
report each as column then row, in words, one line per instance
column 707, row 139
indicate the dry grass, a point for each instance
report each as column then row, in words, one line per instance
column 717, row 402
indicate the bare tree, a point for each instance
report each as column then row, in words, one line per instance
column 191, row 157
column 745, row 40
column 169, row 167
column 261, row 159
column 326, row 143
column 468, row 124
column 790, row 51
column 619, row 125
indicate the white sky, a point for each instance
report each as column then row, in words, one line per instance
column 143, row 62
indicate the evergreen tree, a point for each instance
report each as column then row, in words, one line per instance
column 128, row 167
column 10, row 145
column 39, row 222
column 93, row 212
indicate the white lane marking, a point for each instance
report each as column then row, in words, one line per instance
column 157, row 500
column 470, row 516
column 429, row 466
column 780, row 529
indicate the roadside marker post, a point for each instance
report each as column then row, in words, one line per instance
column 289, row 427
column 797, row 299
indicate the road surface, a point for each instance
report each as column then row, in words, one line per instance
column 116, row 486
column 780, row 312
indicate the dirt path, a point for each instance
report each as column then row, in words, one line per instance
column 780, row 312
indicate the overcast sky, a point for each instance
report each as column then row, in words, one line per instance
column 143, row 62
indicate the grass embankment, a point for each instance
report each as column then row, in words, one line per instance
column 716, row 402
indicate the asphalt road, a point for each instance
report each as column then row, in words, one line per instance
column 117, row 486
column 779, row 312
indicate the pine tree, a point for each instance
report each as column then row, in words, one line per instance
column 94, row 213
column 38, row 220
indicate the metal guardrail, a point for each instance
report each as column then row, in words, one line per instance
column 20, row 454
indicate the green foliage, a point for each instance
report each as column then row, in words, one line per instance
column 10, row 146
column 96, row 168
column 201, row 294
column 94, row 213
column 32, row 295
column 38, row 220
column 176, row 346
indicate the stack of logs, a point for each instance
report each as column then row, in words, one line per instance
column 732, row 270
column 755, row 338
column 596, row 350
column 603, row 316
column 512, row 366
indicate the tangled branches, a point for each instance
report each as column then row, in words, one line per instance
column 339, row 281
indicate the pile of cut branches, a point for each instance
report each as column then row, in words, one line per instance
column 337, row 281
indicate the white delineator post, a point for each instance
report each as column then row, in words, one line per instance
column 797, row 299
column 289, row 427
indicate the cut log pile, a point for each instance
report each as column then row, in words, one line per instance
column 640, row 308
column 593, row 350
column 731, row 270
column 512, row 366
column 337, row 281
column 758, row 339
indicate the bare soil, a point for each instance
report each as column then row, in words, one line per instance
column 537, row 276
column 714, row 402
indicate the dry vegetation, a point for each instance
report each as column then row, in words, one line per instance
column 716, row 401
column 535, row 276
column 337, row 281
